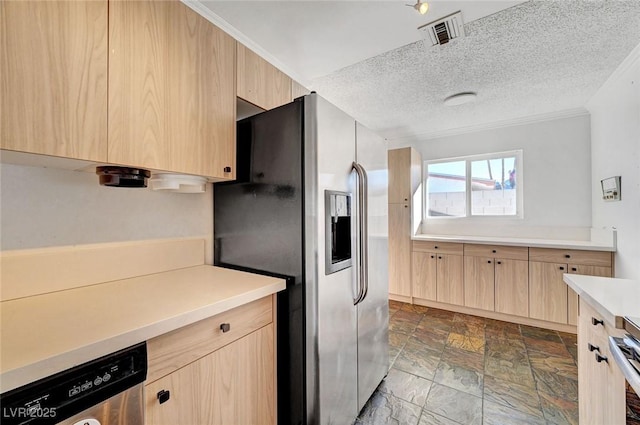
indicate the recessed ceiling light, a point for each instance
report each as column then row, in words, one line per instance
column 460, row 98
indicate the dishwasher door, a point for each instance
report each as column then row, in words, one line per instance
column 125, row 408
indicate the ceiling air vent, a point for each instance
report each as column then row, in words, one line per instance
column 443, row 30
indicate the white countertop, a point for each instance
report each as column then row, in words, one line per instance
column 531, row 242
column 613, row 298
column 45, row 334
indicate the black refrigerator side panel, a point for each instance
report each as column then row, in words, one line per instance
column 258, row 219
column 258, row 226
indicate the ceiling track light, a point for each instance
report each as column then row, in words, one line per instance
column 421, row 6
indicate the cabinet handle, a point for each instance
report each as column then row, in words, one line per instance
column 435, row 247
column 561, row 268
column 499, row 262
column 494, row 251
column 227, row 169
column 225, row 327
column 592, row 347
column 567, row 256
column 601, row 359
column 406, row 199
column 433, row 256
column 439, row 258
column 489, row 262
column 574, row 269
column 164, row 396
column 596, row 322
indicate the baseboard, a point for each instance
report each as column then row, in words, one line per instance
column 497, row 316
column 401, row 298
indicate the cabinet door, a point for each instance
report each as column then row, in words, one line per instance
column 53, row 84
column 512, row 287
column 171, row 90
column 234, row 385
column 259, row 82
column 399, row 161
column 423, row 276
column 479, row 287
column 590, row 377
column 547, row 292
column 400, row 249
column 572, row 300
column 450, row 284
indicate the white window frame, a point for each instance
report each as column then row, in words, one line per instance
column 518, row 154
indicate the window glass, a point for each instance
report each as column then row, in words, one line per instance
column 446, row 189
column 479, row 185
column 493, row 186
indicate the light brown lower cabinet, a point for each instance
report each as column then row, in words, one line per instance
column 497, row 284
column 233, row 385
column 449, row 280
column 572, row 297
column 438, row 277
column 550, row 297
column 547, row 292
column 220, row 370
column 512, row 287
column 423, row 275
column 601, row 384
column 479, row 282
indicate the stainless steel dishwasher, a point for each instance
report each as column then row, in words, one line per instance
column 105, row 391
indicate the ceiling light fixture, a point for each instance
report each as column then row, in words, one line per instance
column 420, row 6
column 460, row 98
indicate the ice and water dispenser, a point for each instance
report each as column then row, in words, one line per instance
column 337, row 230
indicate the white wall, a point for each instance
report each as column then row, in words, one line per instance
column 556, row 180
column 41, row 207
column 615, row 135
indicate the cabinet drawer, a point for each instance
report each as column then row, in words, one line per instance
column 439, row 247
column 599, row 332
column 573, row 256
column 497, row 251
column 175, row 349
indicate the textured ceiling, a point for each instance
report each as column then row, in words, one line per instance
column 526, row 59
column 315, row 38
column 538, row 57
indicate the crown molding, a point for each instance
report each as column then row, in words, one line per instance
column 531, row 119
column 216, row 20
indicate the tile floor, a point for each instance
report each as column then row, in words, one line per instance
column 450, row 368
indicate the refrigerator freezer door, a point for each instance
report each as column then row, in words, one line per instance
column 333, row 135
column 373, row 311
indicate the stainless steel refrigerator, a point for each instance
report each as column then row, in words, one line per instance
column 310, row 205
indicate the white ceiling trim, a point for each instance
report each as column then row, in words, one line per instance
column 568, row 113
column 206, row 13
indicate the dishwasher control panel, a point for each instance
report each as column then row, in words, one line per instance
column 66, row 393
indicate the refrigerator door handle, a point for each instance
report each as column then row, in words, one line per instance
column 363, row 236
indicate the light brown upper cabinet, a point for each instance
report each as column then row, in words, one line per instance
column 298, row 90
column 549, row 297
column 405, row 174
column 171, row 90
column 259, row 82
column 53, row 68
